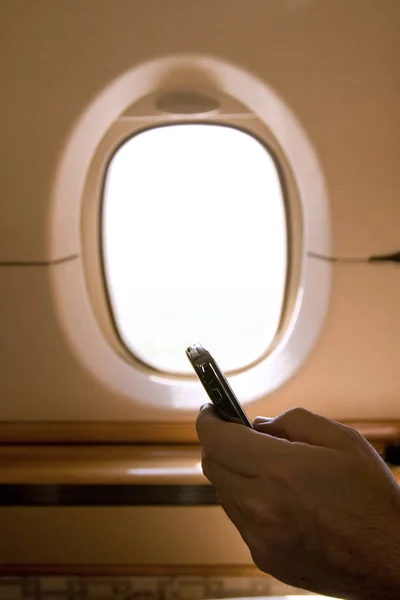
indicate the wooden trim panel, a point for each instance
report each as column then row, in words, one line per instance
column 97, row 432
column 144, row 433
column 113, row 465
column 108, row 496
column 131, row 570
column 107, row 465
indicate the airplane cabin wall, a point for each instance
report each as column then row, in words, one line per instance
column 334, row 62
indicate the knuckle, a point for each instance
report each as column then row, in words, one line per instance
column 295, row 414
column 354, row 435
column 300, row 411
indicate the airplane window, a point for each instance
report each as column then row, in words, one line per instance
column 194, row 243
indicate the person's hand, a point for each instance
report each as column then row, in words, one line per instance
column 311, row 498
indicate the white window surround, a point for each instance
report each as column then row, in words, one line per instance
column 88, row 342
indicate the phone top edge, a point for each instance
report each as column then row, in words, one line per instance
column 196, row 351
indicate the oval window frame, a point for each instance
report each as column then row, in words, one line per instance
column 73, row 300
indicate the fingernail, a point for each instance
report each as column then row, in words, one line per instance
column 261, row 422
column 202, row 406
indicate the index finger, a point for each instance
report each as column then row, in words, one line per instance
column 237, row 448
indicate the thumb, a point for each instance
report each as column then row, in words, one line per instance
column 301, row 425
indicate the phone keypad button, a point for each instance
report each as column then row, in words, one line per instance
column 208, row 374
column 216, row 395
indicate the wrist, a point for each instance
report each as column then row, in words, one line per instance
column 380, row 579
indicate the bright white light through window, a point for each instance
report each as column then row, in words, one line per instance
column 194, row 242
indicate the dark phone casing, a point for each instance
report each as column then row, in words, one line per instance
column 216, row 385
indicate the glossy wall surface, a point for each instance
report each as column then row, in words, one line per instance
column 335, row 63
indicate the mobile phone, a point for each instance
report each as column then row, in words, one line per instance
column 216, row 385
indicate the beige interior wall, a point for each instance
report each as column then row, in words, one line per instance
column 118, row 536
column 334, row 62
